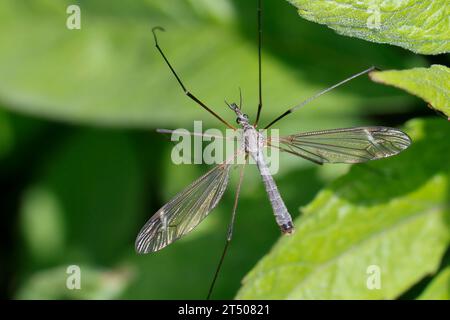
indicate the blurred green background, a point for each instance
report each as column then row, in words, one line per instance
column 82, row 169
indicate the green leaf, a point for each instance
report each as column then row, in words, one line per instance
column 83, row 191
column 419, row 26
column 6, row 134
column 109, row 72
column 43, row 224
column 439, row 288
column 431, row 84
column 392, row 214
column 95, row 283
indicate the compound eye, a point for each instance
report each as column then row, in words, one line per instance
column 245, row 116
column 238, row 121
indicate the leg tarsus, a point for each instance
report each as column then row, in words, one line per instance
column 186, row 92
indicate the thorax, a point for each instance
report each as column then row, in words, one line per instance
column 253, row 140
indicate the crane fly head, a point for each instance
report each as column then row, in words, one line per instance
column 241, row 118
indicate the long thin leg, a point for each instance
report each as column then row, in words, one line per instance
column 229, row 233
column 259, row 61
column 240, row 98
column 318, row 95
column 186, row 92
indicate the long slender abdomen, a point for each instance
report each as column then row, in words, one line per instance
column 280, row 211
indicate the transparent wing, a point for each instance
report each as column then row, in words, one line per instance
column 184, row 212
column 350, row 145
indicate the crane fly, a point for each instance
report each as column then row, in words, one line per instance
column 189, row 207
